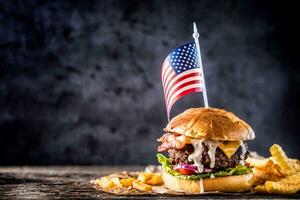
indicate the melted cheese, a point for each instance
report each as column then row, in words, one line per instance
column 201, row 186
column 196, row 156
column 243, row 154
column 212, row 146
column 229, row 148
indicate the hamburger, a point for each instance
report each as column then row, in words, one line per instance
column 206, row 151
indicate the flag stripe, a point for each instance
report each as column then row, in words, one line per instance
column 198, row 85
column 165, row 67
column 189, row 91
column 177, row 80
column 180, row 85
column 170, row 77
column 167, row 72
column 182, row 75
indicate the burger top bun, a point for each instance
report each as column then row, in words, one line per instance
column 210, row 123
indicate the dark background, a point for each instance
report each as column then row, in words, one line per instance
column 80, row 80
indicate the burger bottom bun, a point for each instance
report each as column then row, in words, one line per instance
column 238, row 183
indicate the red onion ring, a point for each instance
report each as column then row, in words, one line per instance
column 186, row 166
column 190, row 167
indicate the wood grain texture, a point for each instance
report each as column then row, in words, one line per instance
column 62, row 182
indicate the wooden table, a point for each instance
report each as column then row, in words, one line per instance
column 61, row 182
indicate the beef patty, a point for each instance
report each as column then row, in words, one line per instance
column 180, row 156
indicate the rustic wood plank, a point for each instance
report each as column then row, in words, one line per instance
column 60, row 182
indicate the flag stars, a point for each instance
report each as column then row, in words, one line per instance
column 184, row 58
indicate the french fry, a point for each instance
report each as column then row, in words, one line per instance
column 116, row 181
column 280, row 158
column 260, row 163
column 287, row 185
column 281, row 187
column 127, row 182
column 150, row 178
column 156, row 179
column 137, row 184
column 144, row 177
column 295, row 164
column 277, row 188
column 261, row 189
column 261, row 175
column 105, row 182
column 292, row 179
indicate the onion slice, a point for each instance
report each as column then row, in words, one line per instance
column 190, row 167
column 186, row 166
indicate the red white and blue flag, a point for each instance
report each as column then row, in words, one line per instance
column 181, row 74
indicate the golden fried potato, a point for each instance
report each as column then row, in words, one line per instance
column 116, row 181
column 293, row 179
column 261, row 189
column 288, row 185
column 262, row 175
column 281, row 188
column 145, row 176
column 105, row 182
column 127, row 182
column 150, row 178
column 137, row 184
column 156, row 179
column 295, row 164
column 280, row 158
column 260, row 162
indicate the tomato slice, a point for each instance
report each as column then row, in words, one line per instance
column 185, row 171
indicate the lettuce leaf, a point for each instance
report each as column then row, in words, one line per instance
column 167, row 166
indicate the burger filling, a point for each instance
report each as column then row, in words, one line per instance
column 180, row 156
column 195, row 158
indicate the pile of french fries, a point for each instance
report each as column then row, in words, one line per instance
column 277, row 174
column 142, row 181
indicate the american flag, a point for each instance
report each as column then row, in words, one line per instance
column 181, row 74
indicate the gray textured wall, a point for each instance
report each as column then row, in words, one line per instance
column 80, row 81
